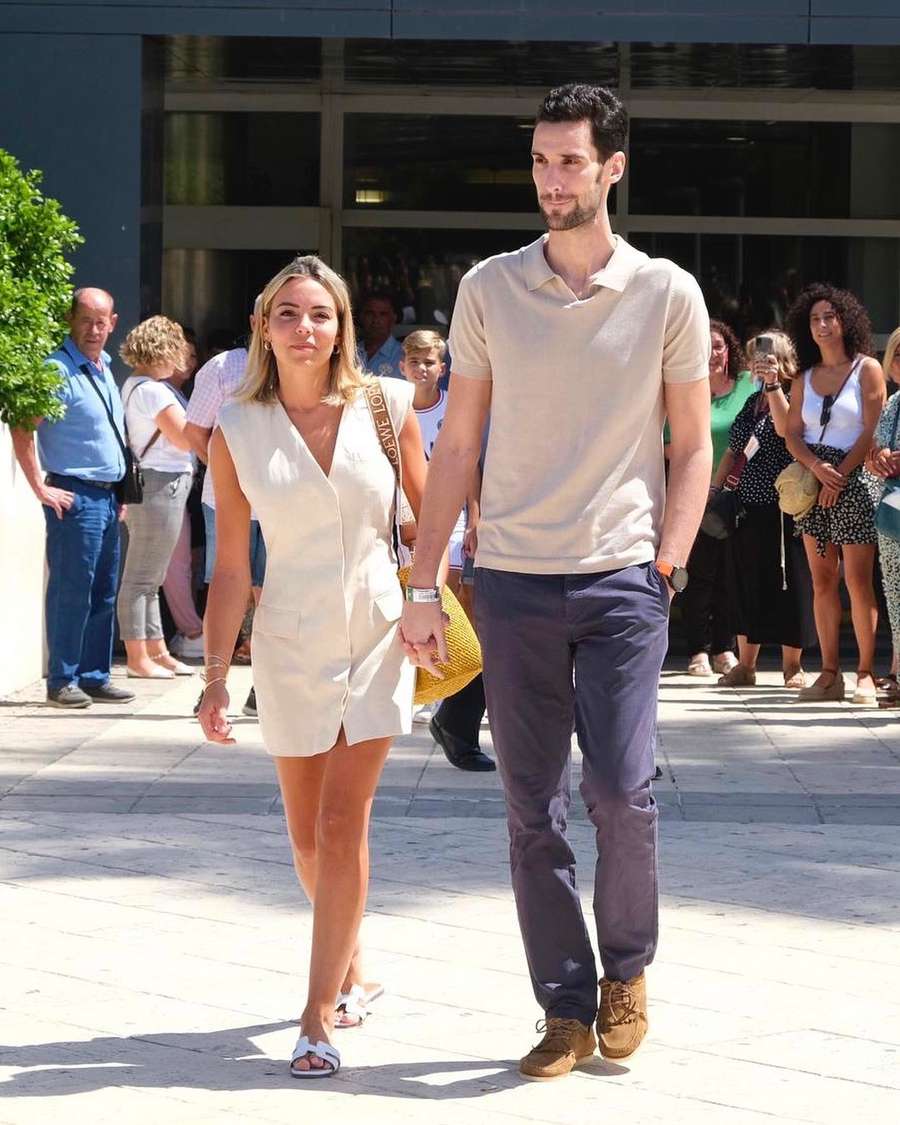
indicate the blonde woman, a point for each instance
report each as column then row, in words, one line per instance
column 333, row 685
column 155, row 418
column 768, row 572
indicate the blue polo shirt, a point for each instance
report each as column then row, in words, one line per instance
column 386, row 361
column 82, row 443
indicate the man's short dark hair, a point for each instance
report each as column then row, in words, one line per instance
column 382, row 295
column 596, row 104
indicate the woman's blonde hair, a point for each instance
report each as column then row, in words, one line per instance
column 346, row 376
column 783, row 350
column 154, row 341
column 890, row 351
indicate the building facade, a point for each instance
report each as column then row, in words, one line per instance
column 200, row 147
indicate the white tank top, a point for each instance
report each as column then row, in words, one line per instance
column 846, row 422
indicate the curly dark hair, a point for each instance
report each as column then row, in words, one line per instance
column 855, row 323
column 737, row 361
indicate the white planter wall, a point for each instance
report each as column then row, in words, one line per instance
column 21, row 575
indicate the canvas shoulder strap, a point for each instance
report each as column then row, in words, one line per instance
column 384, row 428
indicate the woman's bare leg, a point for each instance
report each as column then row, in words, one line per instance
column 859, row 564
column 343, row 788
column 748, row 654
column 826, row 604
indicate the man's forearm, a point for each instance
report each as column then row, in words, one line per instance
column 26, row 455
column 686, row 498
column 449, row 476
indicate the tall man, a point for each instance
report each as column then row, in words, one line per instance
column 83, row 460
column 579, row 345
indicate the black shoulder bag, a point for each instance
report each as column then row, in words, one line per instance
column 725, row 511
column 130, row 489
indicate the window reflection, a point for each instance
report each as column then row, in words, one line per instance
column 756, row 168
column 438, row 163
column 421, row 268
column 250, row 159
column 749, row 281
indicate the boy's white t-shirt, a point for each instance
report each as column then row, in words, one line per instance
column 430, row 422
column 144, row 398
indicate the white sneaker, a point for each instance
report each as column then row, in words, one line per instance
column 189, row 648
column 423, row 714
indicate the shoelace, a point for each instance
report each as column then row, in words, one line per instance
column 557, row 1033
column 622, row 1003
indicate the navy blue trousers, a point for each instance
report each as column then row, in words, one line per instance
column 583, row 650
column 83, row 561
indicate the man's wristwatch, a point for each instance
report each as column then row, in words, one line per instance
column 430, row 595
column 770, row 387
column 676, row 576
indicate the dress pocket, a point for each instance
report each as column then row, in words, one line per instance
column 270, row 620
column 390, row 603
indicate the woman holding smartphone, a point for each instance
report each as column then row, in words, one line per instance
column 768, row 573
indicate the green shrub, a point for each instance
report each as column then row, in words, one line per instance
column 35, row 292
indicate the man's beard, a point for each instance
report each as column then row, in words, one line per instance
column 577, row 217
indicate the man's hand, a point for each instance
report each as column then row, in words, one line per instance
column 57, row 499
column 422, row 634
column 123, row 512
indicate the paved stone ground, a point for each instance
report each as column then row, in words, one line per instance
column 153, row 942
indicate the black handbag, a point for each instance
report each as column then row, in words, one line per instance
column 723, row 514
column 725, row 511
column 130, row 489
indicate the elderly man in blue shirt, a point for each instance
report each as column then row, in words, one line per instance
column 83, row 458
column 380, row 351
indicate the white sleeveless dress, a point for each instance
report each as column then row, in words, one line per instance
column 325, row 647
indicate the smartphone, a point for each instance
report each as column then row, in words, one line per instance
column 765, row 345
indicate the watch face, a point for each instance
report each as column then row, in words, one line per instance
column 679, row 579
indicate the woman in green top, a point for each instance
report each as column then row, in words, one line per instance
column 706, row 602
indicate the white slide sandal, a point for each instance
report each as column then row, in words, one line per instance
column 324, row 1051
column 353, row 1007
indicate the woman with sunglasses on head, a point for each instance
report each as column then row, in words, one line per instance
column 768, row 573
column 835, row 407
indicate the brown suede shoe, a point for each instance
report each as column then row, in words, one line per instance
column 622, row 1022
column 565, row 1043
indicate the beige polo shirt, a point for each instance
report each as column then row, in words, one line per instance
column 574, row 476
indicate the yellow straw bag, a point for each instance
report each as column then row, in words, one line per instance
column 463, row 649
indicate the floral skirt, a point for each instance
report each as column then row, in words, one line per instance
column 852, row 519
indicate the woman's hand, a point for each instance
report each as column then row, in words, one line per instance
column 879, row 462
column 764, row 368
column 828, row 497
column 828, row 476
column 470, row 542
column 213, row 713
column 893, row 464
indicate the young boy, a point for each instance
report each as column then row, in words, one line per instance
column 423, row 365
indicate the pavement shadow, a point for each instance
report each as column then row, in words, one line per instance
column 228, row 1060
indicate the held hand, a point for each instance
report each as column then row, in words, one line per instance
column 422, row 634
column 828, row 476
column 213, row 714
column 57, row 499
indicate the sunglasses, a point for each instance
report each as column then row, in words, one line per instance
column 825, row 416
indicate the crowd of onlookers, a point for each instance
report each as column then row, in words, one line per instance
column 809, row 392
column 807, row 399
